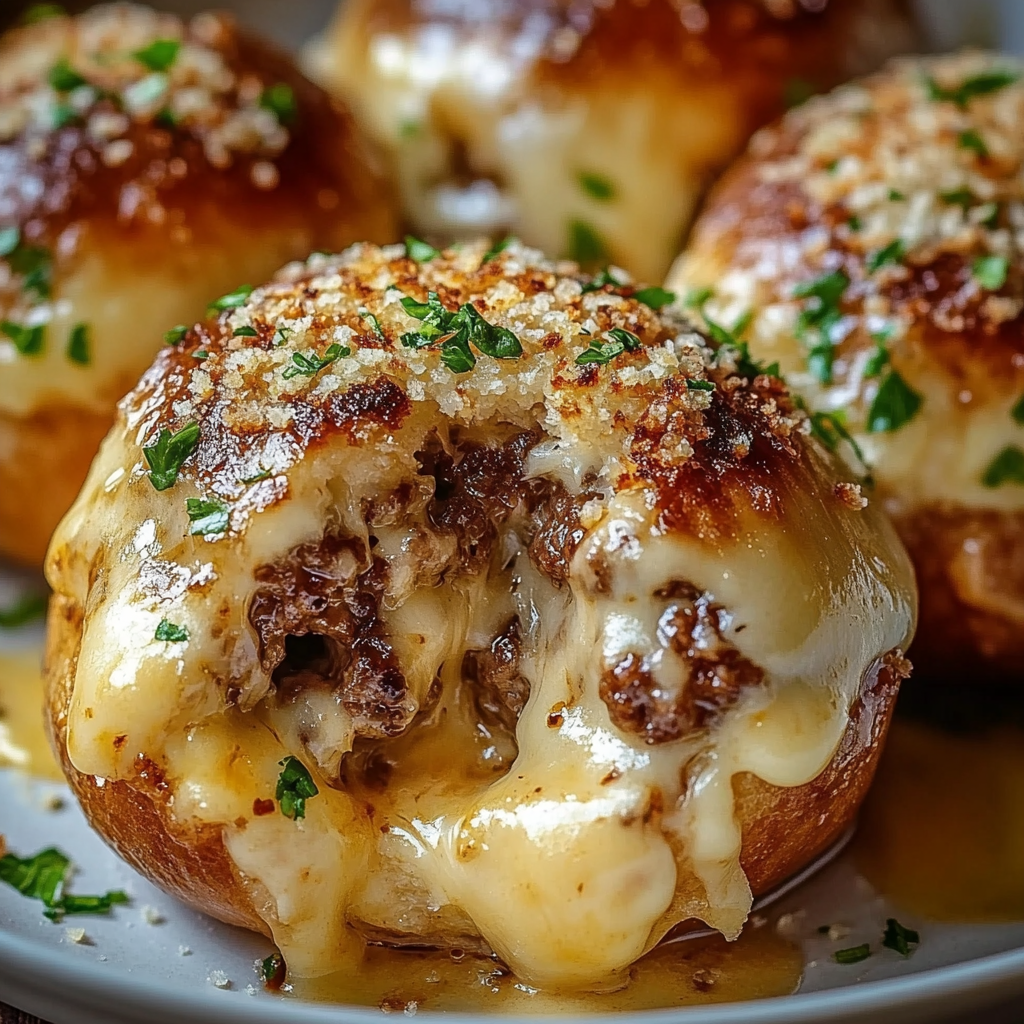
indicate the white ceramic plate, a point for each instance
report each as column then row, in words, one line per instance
column 131, row 971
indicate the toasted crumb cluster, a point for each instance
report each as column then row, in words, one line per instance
column 343, row 345
column 119, row 65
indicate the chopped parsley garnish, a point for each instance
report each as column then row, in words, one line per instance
column 209, row 516
column 232, row 300
column 1006, row 468
column 263, row 474
column 596, row 186
column 977, row 85
column 854, row 223
column 697, row 297
column 656, row 298
column 746, row 366
column 280, row 99
column 797, row 91
column 42, row 12
column 171, row 633
column 853, row 955
column 294, row 787
column 586, row 246
column 64, row 78
column 374, row 323
column 892, row 253
column 603, row 352
column 310, row 365
column 899, row 938
column 990, row 272
column 159, row 55
column 27, row 340
column 896, row 196
column 147, row 91
column 1017, row 412
column 30, row 261
column 44, row 876
column 895, row 405
column 742, row 323
column 699, row 385
column 166, row 118
column 458, row 330
column 603, row 278
column 245, row 331
column 970, row 139
column 879, row 359
column 9, row 239
column 420, row 251
column 498, row 248
column 25, row 609
column 830, row 430
column 166, row 456
column 282, row 335
column 176, row 335
column 272, row 971
column 201, row 354
column 958, row 197
column 78, row 350
column 819, row 315
column 63, row 115
column 989, row 215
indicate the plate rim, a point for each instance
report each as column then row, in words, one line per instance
column 34, row 968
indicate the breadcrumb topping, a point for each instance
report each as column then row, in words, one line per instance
column 342, row 346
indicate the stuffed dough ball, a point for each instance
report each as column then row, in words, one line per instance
column 469, row 603
column 875, row 242
column 147, row 165
column 588, row 129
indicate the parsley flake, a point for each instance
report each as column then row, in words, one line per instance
column 27, row 608
column 899, row 938
column 466, row 325
column 166, row 456
column 746, row 366
column 44, row 876
column 977, row 85
column 64, row 78
column 27, row 340
column 169, row 632
column 232, row 300
column 42, row 12
column 1017, row 412
column 958, row 197
column 176, row 335
column 280, row 99
column 603, row 352
column 272, row 971
column 245, row 331
column 420, row 251
column 1006, row 468
column 830, row 429
column 209, row 516
column 78, row 350
column 201, row 354
column 294, row 787
column 602, row 279
column 699, row 385
column 33, row 263
column 971, row 140
column 597, row 186
column 892, row 253
column 585, row 245
column 310, row 365
column 655, row 298
column 990, row 272
column 697, row 297
column 498, row 248
column 263, row 474
column 159, row 55
column 853, row 955
column 9, row 239
column 895, row 405
column 374, row 323
column 818, row 317
column 282, row 335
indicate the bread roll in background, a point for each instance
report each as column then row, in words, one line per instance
column 874, row 240
column 577, row 630
column 147, row 165
column 589, row 129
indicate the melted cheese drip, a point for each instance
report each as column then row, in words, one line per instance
column 23, row 741
column 423, row 95
column 590, row 832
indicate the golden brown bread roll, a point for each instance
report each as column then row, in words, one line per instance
column 874, row 236
column 147, row 165
column 574, row 626
column 589, row 129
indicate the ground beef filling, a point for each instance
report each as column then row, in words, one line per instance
column 693, row 627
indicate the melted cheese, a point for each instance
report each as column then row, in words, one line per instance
column 429, row 96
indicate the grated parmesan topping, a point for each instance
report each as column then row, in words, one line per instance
column 198, row 92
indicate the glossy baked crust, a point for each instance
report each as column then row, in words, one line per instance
column 906, row 190
column 611, row 115
column 466, row 589
column 135, row 196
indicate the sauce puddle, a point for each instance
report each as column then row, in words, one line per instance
column 23, row 741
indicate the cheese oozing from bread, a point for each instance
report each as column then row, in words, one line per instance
column 524, row 623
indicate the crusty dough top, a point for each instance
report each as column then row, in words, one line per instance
column 327, row 353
